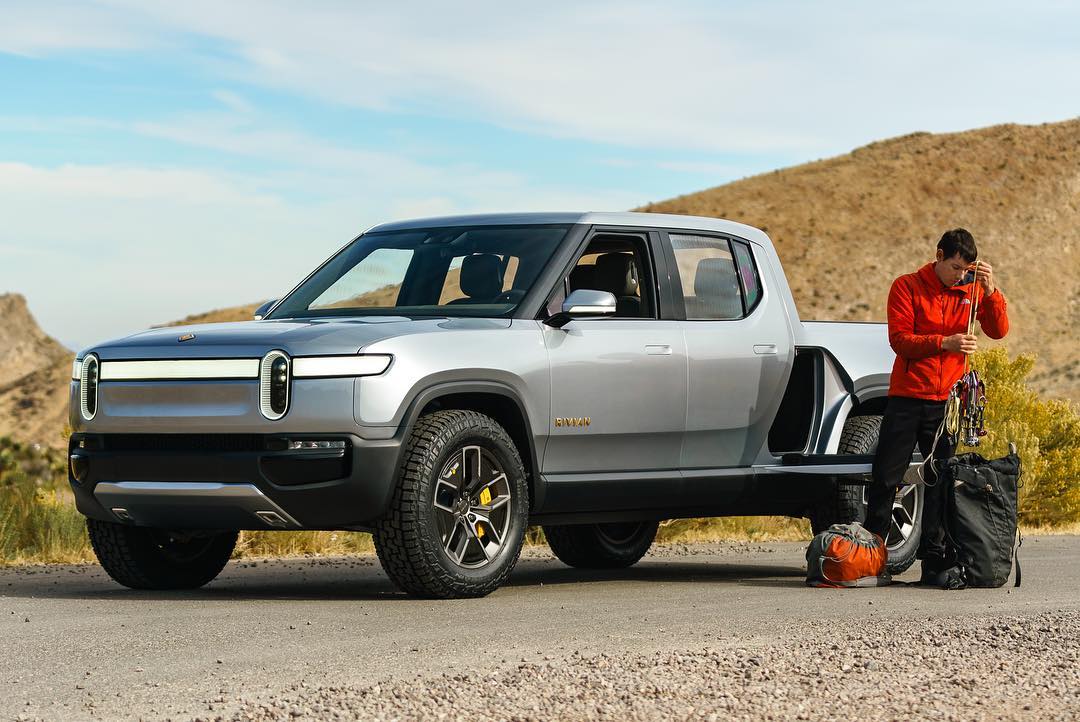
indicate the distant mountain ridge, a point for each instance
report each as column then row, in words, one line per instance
column 844, row 227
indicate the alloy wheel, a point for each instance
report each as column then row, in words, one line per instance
column 472, row 503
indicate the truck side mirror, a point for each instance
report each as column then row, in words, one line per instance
column 261, row 310
column 583, row 303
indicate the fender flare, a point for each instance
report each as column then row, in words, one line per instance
column 429, row 393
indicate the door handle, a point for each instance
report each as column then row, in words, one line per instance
column 763, row 348
column 658, row 349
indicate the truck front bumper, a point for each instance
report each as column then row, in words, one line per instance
column 232, row 481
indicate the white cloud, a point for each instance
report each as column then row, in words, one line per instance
column 719, row 77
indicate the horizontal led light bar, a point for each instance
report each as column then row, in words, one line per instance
column 243, row 368
column 169, row 369
column 323, row 366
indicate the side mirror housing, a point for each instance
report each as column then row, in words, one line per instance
column 583, row 303
column 262, row 310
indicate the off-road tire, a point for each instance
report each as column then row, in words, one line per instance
column 145, row 558
column 601, row 546
column 848, row 503
column 407, row 539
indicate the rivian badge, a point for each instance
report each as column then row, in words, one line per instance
column 186, row 337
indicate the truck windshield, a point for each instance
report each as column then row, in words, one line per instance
column 457, row 271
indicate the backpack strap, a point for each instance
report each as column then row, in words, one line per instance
column 1016, row 555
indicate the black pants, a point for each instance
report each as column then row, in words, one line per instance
column 909, row 422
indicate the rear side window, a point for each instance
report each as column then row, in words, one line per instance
column 748, row 275
column 707, row 274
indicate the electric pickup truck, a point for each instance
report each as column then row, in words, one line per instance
column 444, row 383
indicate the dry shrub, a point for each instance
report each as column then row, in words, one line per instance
column 38, row 519
column 1046, row 433
column 302, row 543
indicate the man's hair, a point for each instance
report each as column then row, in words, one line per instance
column 958, row 240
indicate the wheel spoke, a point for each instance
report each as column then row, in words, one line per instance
column 471, row 455
column 489, row 528
column 457, row 542
column 904, row 491
column 445, row 493
column 497, row 499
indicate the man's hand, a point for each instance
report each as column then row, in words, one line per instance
column 959, row 343
column 984, row 275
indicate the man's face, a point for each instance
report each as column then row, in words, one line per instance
column 950, row 270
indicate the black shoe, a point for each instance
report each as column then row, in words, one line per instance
column 949, row 578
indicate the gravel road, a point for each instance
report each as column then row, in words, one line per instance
column 713, row 631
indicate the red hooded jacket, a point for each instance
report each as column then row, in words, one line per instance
column 923, row 311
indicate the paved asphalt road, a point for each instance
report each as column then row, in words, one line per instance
column 74, row 645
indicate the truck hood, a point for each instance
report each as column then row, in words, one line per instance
column 296, row 337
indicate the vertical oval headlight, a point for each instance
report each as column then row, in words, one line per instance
column 274, row 372
column 88, row 387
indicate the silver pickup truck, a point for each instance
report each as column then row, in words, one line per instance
column 443, row 383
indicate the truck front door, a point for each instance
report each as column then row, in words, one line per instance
column 618, row 384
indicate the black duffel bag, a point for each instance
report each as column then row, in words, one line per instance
column 981, row 518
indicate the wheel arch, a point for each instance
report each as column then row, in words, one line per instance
column 491, row 398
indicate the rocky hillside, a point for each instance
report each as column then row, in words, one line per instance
column 846, row 226
column 34, row 369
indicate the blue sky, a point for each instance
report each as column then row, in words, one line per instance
column 159, row 159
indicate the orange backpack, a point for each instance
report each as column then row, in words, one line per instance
column 847, row 555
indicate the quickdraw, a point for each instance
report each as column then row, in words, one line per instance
column 965, row 409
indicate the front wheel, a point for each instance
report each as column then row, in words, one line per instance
column 601, row 546
column 146, row 558
column 457, row 518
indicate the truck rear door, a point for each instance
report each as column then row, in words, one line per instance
column 739, row 347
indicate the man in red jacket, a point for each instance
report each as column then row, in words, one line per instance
column 928, row 316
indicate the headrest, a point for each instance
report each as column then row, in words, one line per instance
column 615, row 273
column 583, row 277
column 481, row 276
column 717, row 286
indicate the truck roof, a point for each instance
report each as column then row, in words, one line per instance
column 654, row 220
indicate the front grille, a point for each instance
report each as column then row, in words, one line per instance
column 183, row 442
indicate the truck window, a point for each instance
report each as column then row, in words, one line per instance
column 707, row 275
column 748, row 275
column 619, row 264
column 376, row 280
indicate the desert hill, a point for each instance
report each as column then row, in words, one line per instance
column 846, row 226
column 24, row 347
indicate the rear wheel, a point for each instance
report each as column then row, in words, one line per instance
column 147, row 558
column 601, row 546
column 848, row 502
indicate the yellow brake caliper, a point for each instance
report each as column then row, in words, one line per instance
column 485, row 499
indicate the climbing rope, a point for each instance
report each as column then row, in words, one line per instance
column 966, row 406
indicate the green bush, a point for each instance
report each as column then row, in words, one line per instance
column 1046, row 433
